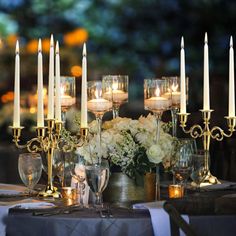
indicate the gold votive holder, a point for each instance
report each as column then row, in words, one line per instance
column 149, row 186
column 176, row 191
column 69, row 193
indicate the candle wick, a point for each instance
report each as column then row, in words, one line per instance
column 231, row 41
column 206, row 39
column 182, row 42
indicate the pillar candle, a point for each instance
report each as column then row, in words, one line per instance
column 58, row 86
column 84, row 119
column 182, row 79
column 40, row 111
column 231, row 80
column 206, row 93
column 51, row 81
column 16, row 111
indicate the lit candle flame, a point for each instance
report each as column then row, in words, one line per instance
column 174, row 87
column 98, row 93
column 45, row 91
column 62, row 91
column 115, row 85
column 157, row 92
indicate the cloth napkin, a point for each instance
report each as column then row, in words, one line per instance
column 80, row 171
column 10, row 189
column 159, row 217
column 25, row 203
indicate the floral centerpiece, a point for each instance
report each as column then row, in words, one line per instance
column 130, row 144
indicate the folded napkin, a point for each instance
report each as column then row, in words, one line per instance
column 74, row 184
column 25, row 204
column 159, row 217
column 10, row 189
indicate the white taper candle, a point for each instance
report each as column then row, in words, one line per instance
column 206, row 92
column 182, row 79
column 231, row 80
column 58, row 86
column 40, row 110
column 51, row 81
column 16, row 111
column 84, row 119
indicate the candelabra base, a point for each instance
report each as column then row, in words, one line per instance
column 211, row 179
column 48, row 192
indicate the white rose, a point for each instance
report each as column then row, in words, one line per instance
column 155, row 153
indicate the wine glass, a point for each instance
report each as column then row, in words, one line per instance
column 183, row 165
column 57, row 165
column 157, row 99
column 30, row 169
column 67, row 86
column 98, row 103
column 97, row 176
column 77, row 170
column 200, row 161
column 117, row 85
column 174, row 90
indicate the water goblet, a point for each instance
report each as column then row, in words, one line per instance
column 183, row 165
column 57, row 165
column 77, row 170
column 97, row 177
column 200, row 161
column 30, row 169
column 98, row 103
column 117, row 85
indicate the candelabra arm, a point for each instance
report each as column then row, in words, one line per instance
column 33, row 145
column 218, row 134
column 195, row 131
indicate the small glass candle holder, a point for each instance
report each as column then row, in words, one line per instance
column 117, row 85
column 68, row 98
column 176, row 191
column 69, row 193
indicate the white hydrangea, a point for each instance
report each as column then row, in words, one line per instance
column 122, row 137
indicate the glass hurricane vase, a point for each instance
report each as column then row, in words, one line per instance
column 173, row 83
column 67, row 86
column 157, row 100
column 98, row 103
column 117, row 86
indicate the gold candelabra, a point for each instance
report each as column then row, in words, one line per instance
column 196, row 131
column 48, row 139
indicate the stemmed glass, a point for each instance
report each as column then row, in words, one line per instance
column 98, row 103
column 200, row 167
column 30, row 169
column 183, row 165
column 97, row 176
column 67, row 86
column 77, row 171
column 117, row 85
column 57, row 165
column 174, row 90
column 157, row 100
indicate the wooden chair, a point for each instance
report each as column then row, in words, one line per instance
column 177, row 222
